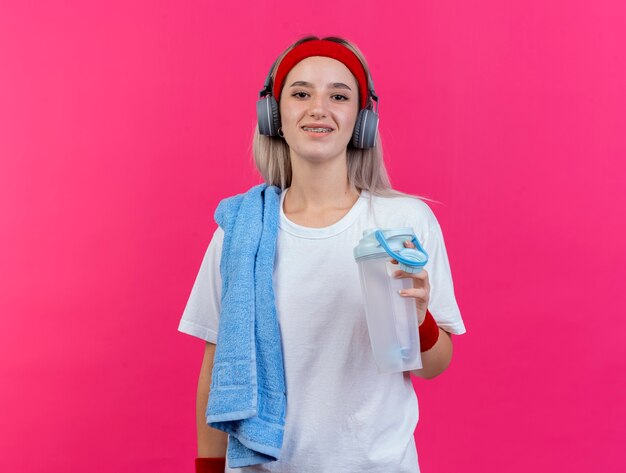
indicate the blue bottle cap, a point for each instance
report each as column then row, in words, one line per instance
column 390, row 242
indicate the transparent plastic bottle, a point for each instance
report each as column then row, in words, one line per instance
column 391, row 319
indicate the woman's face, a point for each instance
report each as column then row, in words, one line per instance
column 319, row 93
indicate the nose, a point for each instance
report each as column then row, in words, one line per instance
column 318, row 106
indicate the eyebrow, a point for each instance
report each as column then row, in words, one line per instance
column 334, row 85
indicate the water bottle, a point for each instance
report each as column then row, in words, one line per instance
column 391, row 319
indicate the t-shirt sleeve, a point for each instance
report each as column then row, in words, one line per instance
column 201, row 315
column 442, row 302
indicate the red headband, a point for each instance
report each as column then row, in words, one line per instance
column 321, row 47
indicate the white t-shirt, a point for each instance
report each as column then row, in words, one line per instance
column 342, row 415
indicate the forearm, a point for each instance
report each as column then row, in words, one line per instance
column 211, row 442
column 437, row 359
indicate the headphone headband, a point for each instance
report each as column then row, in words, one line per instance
column 322, row 47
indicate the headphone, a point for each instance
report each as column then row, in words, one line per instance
column 365, row 129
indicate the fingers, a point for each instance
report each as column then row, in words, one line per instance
column 421, row 276
column 421, row 285
column 407, row 244
column 421, row 293
column 419, row 279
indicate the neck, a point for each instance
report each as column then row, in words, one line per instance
column 316, row 186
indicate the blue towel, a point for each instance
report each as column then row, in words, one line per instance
column 247, row 398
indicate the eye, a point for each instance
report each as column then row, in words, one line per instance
column 300, row 95
column 340, row 98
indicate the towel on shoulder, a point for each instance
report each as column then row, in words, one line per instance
column 248, row 396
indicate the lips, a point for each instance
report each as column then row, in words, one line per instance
column 317, row 128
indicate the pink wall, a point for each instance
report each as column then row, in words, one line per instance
column 121, row 127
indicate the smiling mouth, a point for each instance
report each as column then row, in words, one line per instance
column 317, row 129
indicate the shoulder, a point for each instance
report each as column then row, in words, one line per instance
column 228, row 207
column 218, row 238
column 405, row 209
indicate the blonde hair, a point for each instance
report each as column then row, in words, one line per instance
column 366, row 167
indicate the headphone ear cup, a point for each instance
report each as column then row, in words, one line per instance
column 356, row 133
column 268, row 116
column 275, row 115
column 365, row 129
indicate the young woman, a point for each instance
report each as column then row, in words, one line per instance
column 323, row 406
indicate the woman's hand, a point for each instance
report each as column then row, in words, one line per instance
column 420, row 290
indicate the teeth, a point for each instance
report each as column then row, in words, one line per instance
column 317, row 130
